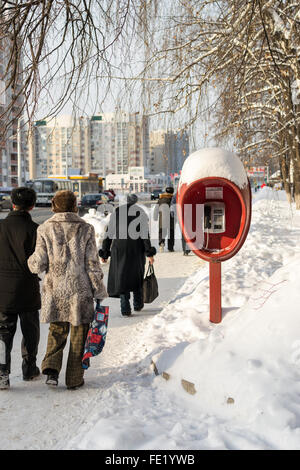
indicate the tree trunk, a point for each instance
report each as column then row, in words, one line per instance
column 285, row 171
column 297, row 183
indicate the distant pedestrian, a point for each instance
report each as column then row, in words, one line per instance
column 185, row 248
column 66, row 251
column 19, row 288
column 128, row 244
column 165, row 218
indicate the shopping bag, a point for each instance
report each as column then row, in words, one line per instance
column 96, row 336
column 150, row 286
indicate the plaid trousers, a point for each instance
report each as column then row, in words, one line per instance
column 57, row 339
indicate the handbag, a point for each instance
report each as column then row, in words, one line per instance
column 150, row 286
column 96, row 336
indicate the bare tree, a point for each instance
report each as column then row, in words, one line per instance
column 247, row 53
column 235, row 60
column 54, row 48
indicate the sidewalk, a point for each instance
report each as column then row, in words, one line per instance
column 35, row 417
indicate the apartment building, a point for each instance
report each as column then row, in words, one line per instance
column 104, row 143
column 58, row 145
column 12, row 141
column 118, row 141
column 158, row 161
column 168, row 150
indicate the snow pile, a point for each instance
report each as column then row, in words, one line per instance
column 99, row 222
column 269, row 194
column 245, row 370
column 210, row 162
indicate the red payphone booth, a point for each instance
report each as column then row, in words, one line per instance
column 214, row 212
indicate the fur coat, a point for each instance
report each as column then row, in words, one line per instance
column 66, row 251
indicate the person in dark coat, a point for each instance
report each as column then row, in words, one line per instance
column 165, row 218
column 128, row 244
column 19, row 288
column 185, row 246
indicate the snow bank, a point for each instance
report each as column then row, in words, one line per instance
column 267, row 193
column 245, row 370
column 253, row 358
column 99, row 222
column 213, row 162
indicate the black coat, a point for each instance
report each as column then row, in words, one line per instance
column 19, row 288
column 127, row 250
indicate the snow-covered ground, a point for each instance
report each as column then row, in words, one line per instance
column 245, row 370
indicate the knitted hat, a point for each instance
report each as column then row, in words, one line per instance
column 64, row 201
column 132, row 199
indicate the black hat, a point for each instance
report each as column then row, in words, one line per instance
column 131, row 199
column 170, row 190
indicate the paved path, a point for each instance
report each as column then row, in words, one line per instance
column 33, row 416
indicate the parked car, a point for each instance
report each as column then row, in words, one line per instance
column 110, row 194
column 155, row 194
column 5, row 202
column 91, row 201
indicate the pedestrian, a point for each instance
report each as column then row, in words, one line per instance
column 66, row 251
column 127, row 243
column 165, row 218
column 19, row 288
column 173, row 210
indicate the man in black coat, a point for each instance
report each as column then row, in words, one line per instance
column 19, row 288
column 127, row 242
column 166, row 227
column 185, row 246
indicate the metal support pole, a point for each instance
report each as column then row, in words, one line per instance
column 215, row 308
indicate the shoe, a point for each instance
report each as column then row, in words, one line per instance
column 171, row 250
column 52, row 379
column 138, row 309
column 75, row 387
column 162, row 248
column 31, row 374
column 126, row 314
column 185, row 253
column 4, row 381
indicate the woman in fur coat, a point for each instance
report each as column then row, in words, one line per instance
column 66, row 250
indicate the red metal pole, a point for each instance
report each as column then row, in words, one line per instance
column 215, row 308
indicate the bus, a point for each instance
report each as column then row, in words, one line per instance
column 86, row 184
column 45, row 188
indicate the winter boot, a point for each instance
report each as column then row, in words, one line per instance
column 126, row 314
column 139, row 308
column 4, row 381
column 30, row 371
column 52, row 377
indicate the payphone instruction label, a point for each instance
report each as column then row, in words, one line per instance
column 214, row 193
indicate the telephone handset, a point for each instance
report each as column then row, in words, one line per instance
column 214, row 217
